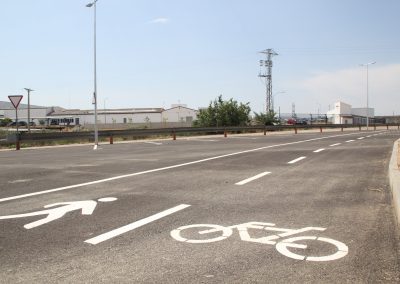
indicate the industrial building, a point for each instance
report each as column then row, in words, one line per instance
column 177, row 115
column 343, row 113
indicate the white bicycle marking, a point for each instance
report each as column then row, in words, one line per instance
column 282, row 246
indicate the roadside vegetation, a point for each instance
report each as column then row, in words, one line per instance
column 223, row 113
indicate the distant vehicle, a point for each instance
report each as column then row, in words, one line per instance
column 32, row 123
column 20, row 123
column 291, row 121
column 301, row 121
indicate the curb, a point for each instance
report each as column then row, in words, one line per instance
column 394, row 177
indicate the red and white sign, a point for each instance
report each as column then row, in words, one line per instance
column 15, row 100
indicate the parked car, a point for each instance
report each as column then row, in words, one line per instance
column 20, row 123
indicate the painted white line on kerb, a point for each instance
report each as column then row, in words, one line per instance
column 135, row 225
column 297, row 160
column 337, row 144
column 360, row 138
column 349, row 141
column 252, row 178
column 319, row 150
column 166, row 168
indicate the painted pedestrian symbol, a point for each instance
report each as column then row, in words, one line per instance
column 87, row 207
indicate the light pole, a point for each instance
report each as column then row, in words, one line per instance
column 105, row 112
column 96, row 132
column 367, row 64
column 29, row 108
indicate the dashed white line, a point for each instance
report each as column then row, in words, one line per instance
column 349, row 141
column 360, row 138
column 164, row 168
column 134, row 225
column 252, row 178
column 319, row 150
column 296, row 160
column 337, row 144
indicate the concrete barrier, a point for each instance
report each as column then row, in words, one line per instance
column 394, row 177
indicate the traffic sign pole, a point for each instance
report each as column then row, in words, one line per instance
column 15, row 100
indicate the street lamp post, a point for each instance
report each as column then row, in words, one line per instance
column 96, row 132
column 29, row 108
column 367, row 64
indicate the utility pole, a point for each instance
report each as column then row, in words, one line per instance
column 266, row 74
column 29, row 108
column 294, row 111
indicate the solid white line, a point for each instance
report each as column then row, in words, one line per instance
column 319, row 150
column 349, row 141
column 296, row 160
column 134, row 225
column 360, row 138
column 252, row 178
column 167, row 168
column 337, row 144
column 154, row 143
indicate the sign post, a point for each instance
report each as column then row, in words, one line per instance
column 15, row 100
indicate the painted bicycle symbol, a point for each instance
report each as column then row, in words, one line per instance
column 282, row 244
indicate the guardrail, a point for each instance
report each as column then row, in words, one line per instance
column 173, row 132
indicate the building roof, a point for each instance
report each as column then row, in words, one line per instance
column 71, row 112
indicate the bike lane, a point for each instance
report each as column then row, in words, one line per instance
column 151, row 254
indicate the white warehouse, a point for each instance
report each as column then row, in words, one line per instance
column 343, row 113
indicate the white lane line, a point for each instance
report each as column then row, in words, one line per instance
column 319, row 150
column 369, row 136
column 134, row 225
column 166, row 168
column 252, row 178
column 296, row 160
column 20, row 181
column 337, row 144
column 153, row 143
column 360, row 138
column 349, row 141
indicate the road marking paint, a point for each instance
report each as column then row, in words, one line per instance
column 296, row 160
column 200, row 139
column 167, row 168
column 19, row 180
column 153, row 143
column 349, row 141
column 369, row 136
column 252, row 178
column 319, row 150
column 337, row 144
column 237, row 137
column 135, row 225
column 360, row 138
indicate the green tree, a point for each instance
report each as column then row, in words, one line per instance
column 5, row 121
column 223, row 113
column 268, row 118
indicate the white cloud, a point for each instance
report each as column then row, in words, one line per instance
column 349, row 85
column 161, row 21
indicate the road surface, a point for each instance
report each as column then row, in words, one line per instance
column 173, row 211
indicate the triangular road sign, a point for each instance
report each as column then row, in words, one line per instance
column 15, row 100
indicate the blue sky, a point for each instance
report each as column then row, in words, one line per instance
column 157, row 53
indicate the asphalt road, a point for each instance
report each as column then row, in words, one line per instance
column 122, row 214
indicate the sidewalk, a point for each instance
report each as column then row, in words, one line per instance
column 394, row 177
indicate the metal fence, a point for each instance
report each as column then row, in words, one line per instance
column 110, row 135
